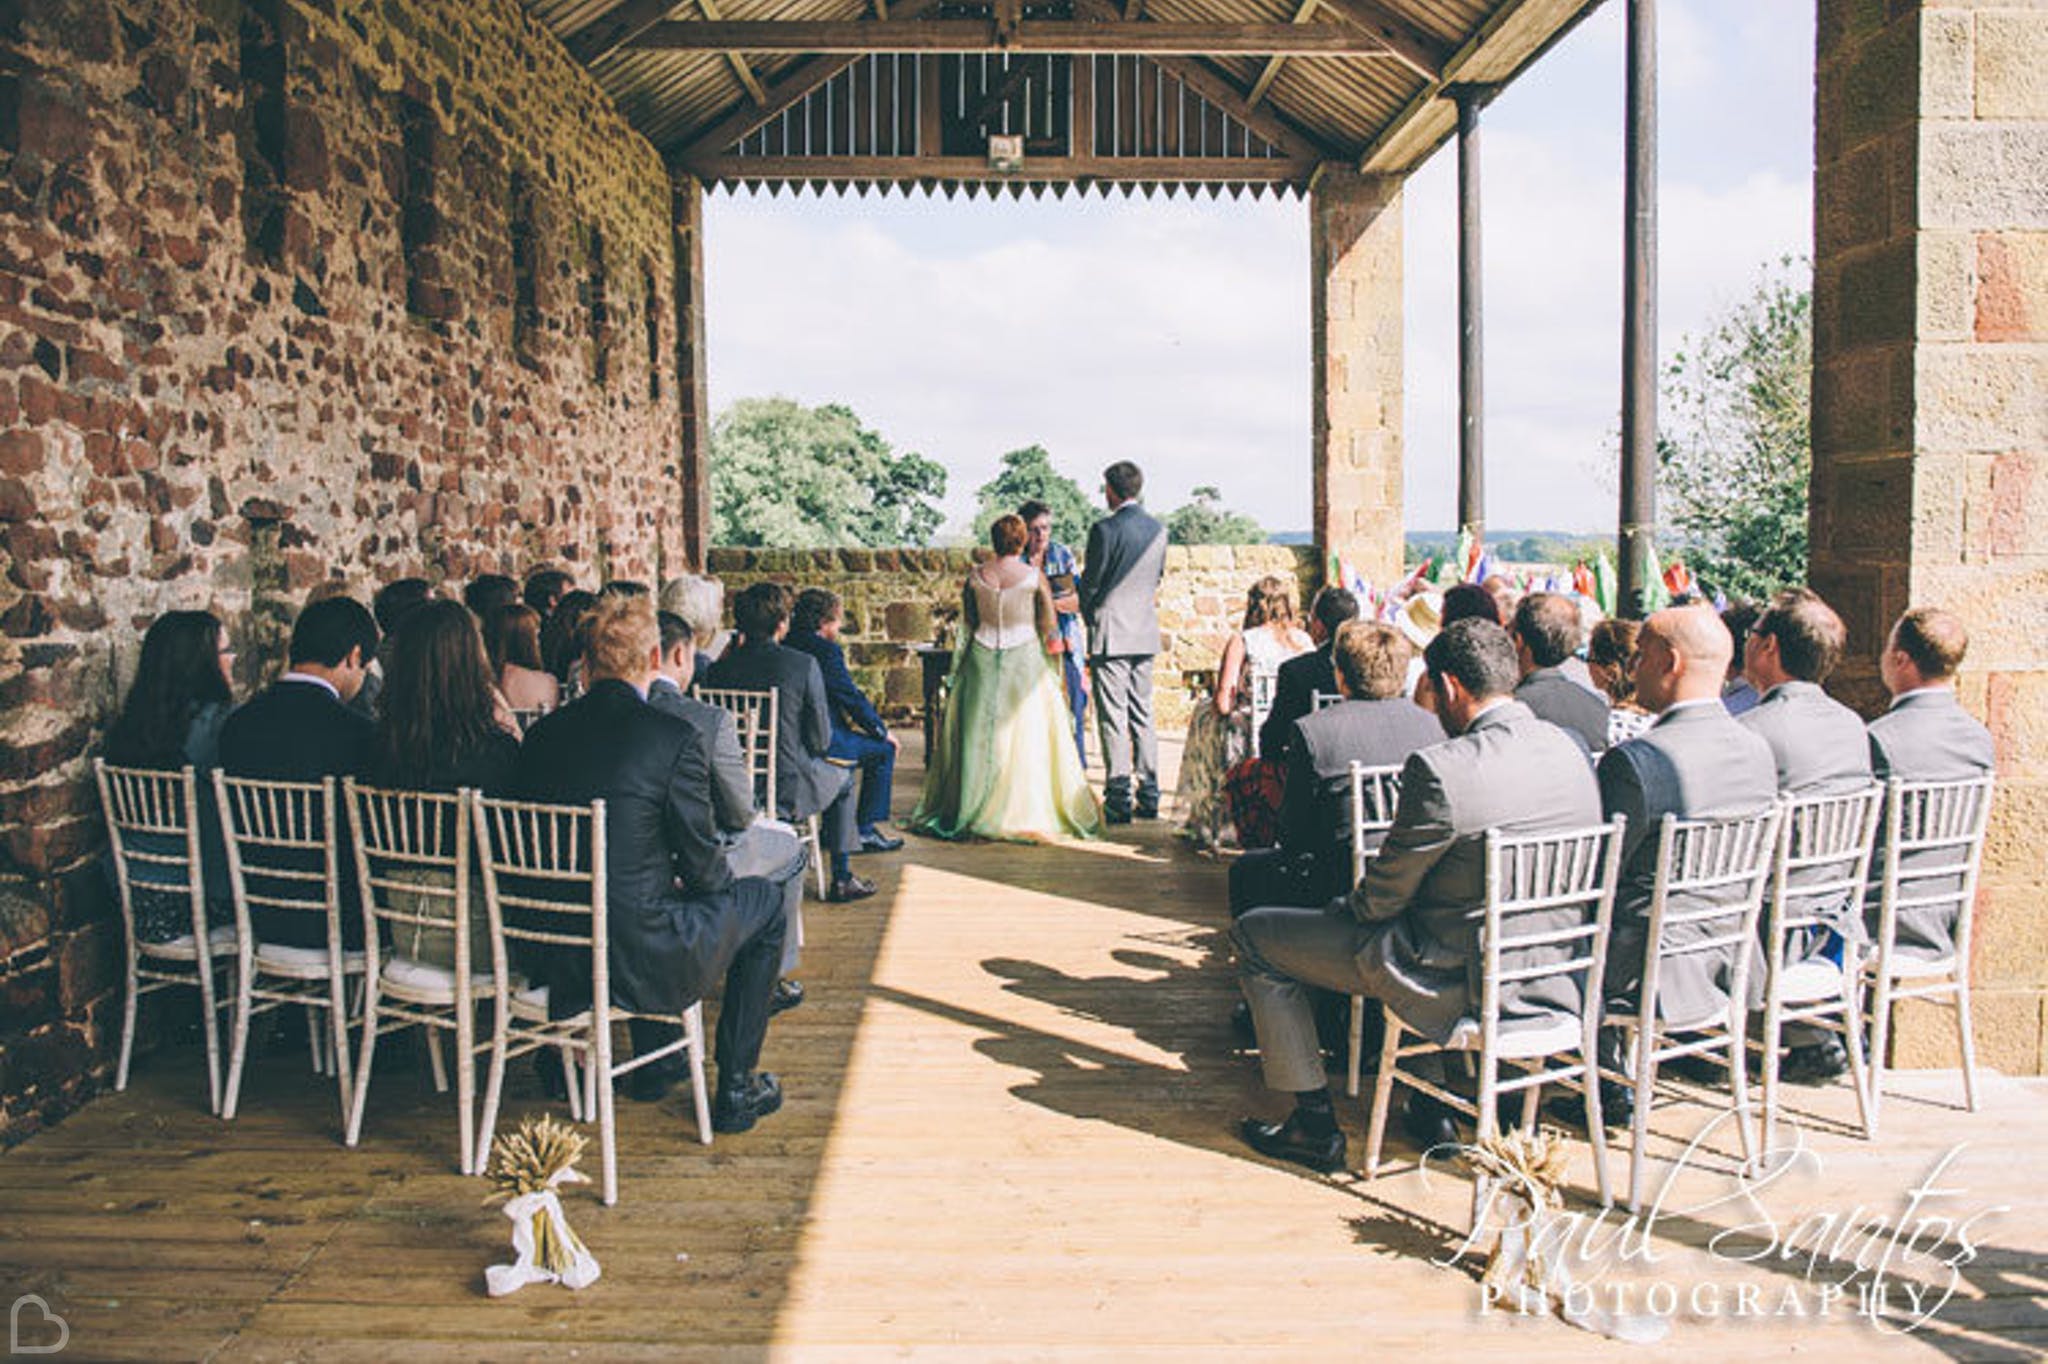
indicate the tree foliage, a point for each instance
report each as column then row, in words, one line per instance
column 786, row 476
column 1736, row 453
column 1027, row 474
column 1204, row 520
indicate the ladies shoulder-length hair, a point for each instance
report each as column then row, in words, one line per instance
column 1270, row 602
column 512, row 637
column 178, row 675
column 438, row 707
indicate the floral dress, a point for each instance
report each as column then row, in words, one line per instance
column 1217, row 743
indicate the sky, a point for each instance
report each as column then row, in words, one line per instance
column 1175, row 332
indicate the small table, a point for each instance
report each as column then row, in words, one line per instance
column 938, row 666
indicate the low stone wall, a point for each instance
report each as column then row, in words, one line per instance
column 897, row 599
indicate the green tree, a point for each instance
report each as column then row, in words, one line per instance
column 1204, row 520
column 786, row 476
column 1028, row 475
column 1736, row 453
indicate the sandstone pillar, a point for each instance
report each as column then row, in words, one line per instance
column 1355, row 313
column 693, row 461
column 1930, row 413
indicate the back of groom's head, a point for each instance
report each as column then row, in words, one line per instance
column 1125, row 479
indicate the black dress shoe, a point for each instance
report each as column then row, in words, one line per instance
column 1617, row 1107
column 1287, row 1141
column 1110, row 815
column 1822, row 1063
column 742, row 1103
column 875, row 841
column 788, row 994
column 1699, row 1068
column 847, row 889
column 1147, row 812
column 1429, row 1123
column 651, row 1084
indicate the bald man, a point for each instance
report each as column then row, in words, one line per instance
column 1696, row 762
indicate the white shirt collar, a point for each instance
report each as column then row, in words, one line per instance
column 332, row 690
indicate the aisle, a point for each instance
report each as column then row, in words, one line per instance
column 1009, row 1135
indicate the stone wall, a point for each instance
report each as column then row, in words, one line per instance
column 1930, row 415
column 896, row 599
column 290, row 291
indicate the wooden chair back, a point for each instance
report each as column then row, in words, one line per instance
column 283, row 850
column 1375, row 795
column 758, row 714
column 1712, row 876
column 153, row 836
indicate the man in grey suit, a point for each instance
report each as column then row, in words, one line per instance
column 1547, row 636
column 807, row 782
column 1821, row 749
column 752, row 846
column 1119, row 602
column 1409, row 935
column 1695, row 762
column 1925, row 736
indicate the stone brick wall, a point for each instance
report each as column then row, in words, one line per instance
column 290, row 291
column 1930, row 415
column 898, row 598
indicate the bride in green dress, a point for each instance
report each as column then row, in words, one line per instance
column 1004, row 765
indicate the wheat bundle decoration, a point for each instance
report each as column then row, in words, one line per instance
column 526, row 1168
column 1528, row 1269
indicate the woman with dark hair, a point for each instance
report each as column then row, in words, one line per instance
column 441, row 730
column 1005, row 765
column 1220, row 734
column 172, row 716
column 1611, row 659
column 561, row 640
column 512, row 637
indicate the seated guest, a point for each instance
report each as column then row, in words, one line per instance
column 1220, row 733
column 544, row 590
column 1298, row 679
column 623, row 587
column 1695, row 762
column 172, row 717
column 1506, row 595
column 807, row 781
column 439, row 731
column 1611, row 662
column 561, row 638
column 301, row 730
column 1925, row 736
column 1374, row 725
column 512, row 637
column 1409, row 935
column 753, row 847
column 1546, row 631
column 487, row 592
column 858, row 735
column 1821, row 749
column 389, row 607
column 679, row 922
column 1737, row 694
column 700, row 600
column 1470, row 601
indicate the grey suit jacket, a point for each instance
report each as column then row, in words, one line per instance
column 1925, row 736
column 1821, row 749
column 804, row 781
column 732, row 786
column 1315, row 813
column 1120, row 584
column 1695, row 762
column 1426, row 887
column 1552, row 694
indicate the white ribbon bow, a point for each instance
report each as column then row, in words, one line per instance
column 582, row 1270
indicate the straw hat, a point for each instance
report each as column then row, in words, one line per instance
column 1420, row 618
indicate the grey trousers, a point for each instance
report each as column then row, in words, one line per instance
column 1281, row 954
column 772, row 849
column 1123, row 710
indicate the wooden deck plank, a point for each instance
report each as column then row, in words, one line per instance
column 1009, row 1134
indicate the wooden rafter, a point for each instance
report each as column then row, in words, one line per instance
column 977, row 35
column 741, row 71
column 1274, row 63
column 615, row 28
column 1072, row 169
column 1419, row 51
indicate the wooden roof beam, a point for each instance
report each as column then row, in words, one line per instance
column 615, row 28
column 975, row 169
column 742, row 72
column 1274, row 63
column 1417, row 49
column 980, row 35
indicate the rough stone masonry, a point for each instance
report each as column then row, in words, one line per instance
column 291, row 292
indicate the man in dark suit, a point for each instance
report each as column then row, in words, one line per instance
column 753, row 845
column 807, row 781
column 858, row 735
column 1374, row 725
column 1120, row 603
column 1695, row 762
column 1821, row 749
column 302, row 729
column 1547, row 636
column 679, row 921
column 1409, row 935
column 1299, row 679
column 1925, row 736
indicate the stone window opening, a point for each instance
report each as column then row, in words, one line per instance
column 596, row 309
column 260, row 131
column 525, row 267
column 427, row 296
column 653, row 319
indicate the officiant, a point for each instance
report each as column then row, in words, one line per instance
column 1056, row 562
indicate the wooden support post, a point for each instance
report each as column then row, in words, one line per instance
column 1471, row 330
column 693, row 459
column 1639, row 314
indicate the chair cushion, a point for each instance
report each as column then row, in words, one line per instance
column 424, row 980
column 1810, row 980
column 306, row 963
column 220, row 942
column 1525, row 1043
column 1905, row 967
column 531, row 1003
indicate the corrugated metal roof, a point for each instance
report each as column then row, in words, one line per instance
column 1371, row 110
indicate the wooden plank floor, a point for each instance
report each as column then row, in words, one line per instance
column 1009, row 1135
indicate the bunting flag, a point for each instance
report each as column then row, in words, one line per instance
column 1720, row 600
column 1606, row 591
column 1582, row 580
column 1482, row 568
column 1678, row 578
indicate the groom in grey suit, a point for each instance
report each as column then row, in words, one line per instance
column 1119, row 602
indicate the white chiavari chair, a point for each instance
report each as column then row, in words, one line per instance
column 1375, row 793
column 758, row 714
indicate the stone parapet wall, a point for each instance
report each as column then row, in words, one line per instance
column 896, row 599
column 291, row 291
